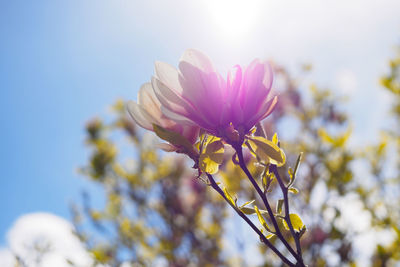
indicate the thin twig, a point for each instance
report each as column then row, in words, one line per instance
column 284, row 189
column 214, row 185
column 278, row 232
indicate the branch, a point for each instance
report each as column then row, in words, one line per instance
column 284, row 189
column 278, row 232
column 214, row 185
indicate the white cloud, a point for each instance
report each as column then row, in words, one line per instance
column 49, row 233
column 6, row 257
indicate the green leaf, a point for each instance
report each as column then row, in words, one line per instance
column 267, row 151
column 297, row 223
column 173, row 138
column 293, row 190
column 261, row 219
column 212, row 156
column 279, row 206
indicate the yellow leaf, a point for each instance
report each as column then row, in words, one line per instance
column 269, row 236
column 337, row 141
column 212, row 156
column 250, row 211
column 228, row 196
column 297, row 223
column 207, row 165
column 325, row 136
column 248, row 203
column 267, row 151
column 275, row 139
column 293, row 190
column 261, row 219
column 279, row 206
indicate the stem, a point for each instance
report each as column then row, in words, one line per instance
column 278, row 232
column 285, row 190
column 214, row 185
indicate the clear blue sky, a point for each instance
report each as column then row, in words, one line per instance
column 57, row 69
column 63, row 62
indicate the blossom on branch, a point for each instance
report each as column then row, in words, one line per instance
column 197, row 94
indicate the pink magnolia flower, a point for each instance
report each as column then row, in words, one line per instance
column 147, row 111
column 197, row 94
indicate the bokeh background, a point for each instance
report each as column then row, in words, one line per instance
column 62, row 62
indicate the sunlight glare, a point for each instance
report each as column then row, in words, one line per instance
column 235, row 18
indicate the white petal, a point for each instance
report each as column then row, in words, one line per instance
column 176, row 104
column 169, row 76
column 198, row 78
column 176, row 117
column 140, row 116
column 169, row 98
column 149, row 102
column 197, row 59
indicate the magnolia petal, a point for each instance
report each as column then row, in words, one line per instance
column 231, row 109
column 198, row 60
column 203, row 90
column 264, row 112
column 253, row 91
column 169, row 76
column 202, row 85
column 176, row 117
column 169, row 98
column 268, row 75
column 178, row 105
column 234, row 81
column 149, row 102
column 140, row 116
column 271, row 107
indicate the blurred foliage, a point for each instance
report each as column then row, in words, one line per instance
column 157, row 212
column 382, row 196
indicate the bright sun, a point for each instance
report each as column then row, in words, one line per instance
column 235, row 17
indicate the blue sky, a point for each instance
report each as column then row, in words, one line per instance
column 63, row 62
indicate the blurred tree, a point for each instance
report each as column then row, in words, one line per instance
column 156, row 212
column 321, row 132
column 159, row 213
column 382, row 196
